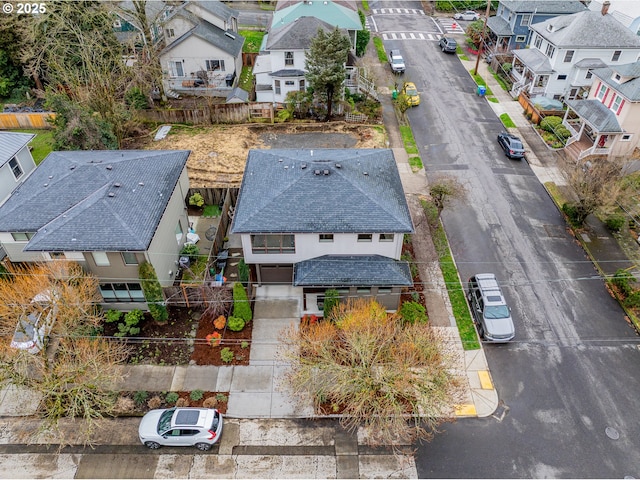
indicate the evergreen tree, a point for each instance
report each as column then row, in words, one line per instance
column 325, row 64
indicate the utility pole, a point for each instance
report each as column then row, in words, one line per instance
column 484, row 30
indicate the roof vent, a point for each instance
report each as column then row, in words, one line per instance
column 286, row 167
column 141, row 184
column 303, row 166
column 111, row 194
column 46, row 184
column 232, row 37
column 365, row 173
column 326, row 172
column 311, row 152
column 72, row 167
column 117, row 185
column 280, row 160
column 338, row 165
column 316, row 172
column 50, row 177
column 109, row 167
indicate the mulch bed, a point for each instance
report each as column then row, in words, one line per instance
column 205, row 354
column 221, row 401
column 417, row 294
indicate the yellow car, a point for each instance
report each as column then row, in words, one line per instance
column 410, row 90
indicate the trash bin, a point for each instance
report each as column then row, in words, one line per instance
column 482, row 90
column 394, row 94
column 229, row 79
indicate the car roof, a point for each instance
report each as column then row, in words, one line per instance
column 191, row 417
column 491, row 292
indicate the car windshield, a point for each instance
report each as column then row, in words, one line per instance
column 165, row 421
column 496, row 311
column 411, row 91
column 398, row 60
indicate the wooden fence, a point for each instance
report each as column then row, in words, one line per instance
column 531, row 110
column 25, row 120
column 224, row 113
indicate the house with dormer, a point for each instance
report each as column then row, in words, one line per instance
column 509, row 28
column 107, row 210
column 608, row 121
column 16, row 162
column 565, row 50
column 325, row 219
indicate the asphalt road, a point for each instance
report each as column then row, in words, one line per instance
column 571, row 371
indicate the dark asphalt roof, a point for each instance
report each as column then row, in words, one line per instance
column 227, row 41
column 534, row 59
column 67, row 201
column 288, row 73
column 296, row 35
column 499, row 26
column 321, row 191
column 543, row 6
column 354, row 270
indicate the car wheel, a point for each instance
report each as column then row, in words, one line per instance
column 442, row 48
column 203, row 446
column 152, row 445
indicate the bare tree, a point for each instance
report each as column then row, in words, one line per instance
column 393, row 379
column 445, row 190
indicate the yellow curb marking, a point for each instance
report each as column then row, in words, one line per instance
column 466, row 410
column 485, row 380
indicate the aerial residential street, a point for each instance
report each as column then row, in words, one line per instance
column 570, row 373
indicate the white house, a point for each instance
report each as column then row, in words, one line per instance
column 625, row 11
column 203, row 52
column 564, row 50
column 16, row 162
column 325, row 219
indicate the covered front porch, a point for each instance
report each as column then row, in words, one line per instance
column 594, row 129
column 531, row 72
column 500, row 35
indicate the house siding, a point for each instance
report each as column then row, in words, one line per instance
column 8, row 181
column 14, row 250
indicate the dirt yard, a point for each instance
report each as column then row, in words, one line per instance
column 219, row 152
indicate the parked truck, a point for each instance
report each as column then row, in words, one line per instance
column 396, row 61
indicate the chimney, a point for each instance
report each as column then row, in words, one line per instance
column 605, row 7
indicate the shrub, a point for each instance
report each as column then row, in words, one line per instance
column 221, row 397
column 190, row 250
column 615, row 222
column 182, row 402
column 633, row 300
column 244, row 344
column 572, row 213
column 331, row 299
column 154, row 402
column 624, row 281
column 412, row 312
column 550, row 123
column 362, row 36
column 158, row 312
column 241, row 306
column 172, row 397
column 136, row 98
column 130, row 325
column 220, row 322
column 562, row 132
column 152, row 292
column 235, row 324
column 196, row 200
column 226, row 355
column 210, row 402
column 124, row 405
column 111, row 316
column 140, row 397
column 243, row 272
column 196, row 395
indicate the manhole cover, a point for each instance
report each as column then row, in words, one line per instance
column 612, row 433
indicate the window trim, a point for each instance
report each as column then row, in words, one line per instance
column 124, row 258
column 615, row 104
column 273, row 243
column 115, row 298
column 521, row 38
column 288, row 59
column 325, row 237
column 626, row 137
column 104, row 262
column 568, row 56
column 525, row 20
column 550, row 50
column 365, row 237
column 386, row 237
column 562, row 77
column 15, row 165
column 616, row 55
column 27, row 236
column 210, row 66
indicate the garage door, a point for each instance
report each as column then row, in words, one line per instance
column 276, row 274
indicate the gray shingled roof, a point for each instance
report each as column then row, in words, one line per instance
column 218, row 8
column 588, row 29
column 597, row 115
column 66, row 199
column 590, row 63
column 629, row 89
column 296, row 35
column 499, row 26
column 354, row 270
column 534, row 59
column 286, row 191
column 238, row 93
column 543, row 6
column 229, row 42
column 11, row 143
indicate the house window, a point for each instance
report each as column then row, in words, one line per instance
column 121, row 292
column 616, row 55
column 289, row 83
column 57, row 255
column 213, row 65
column 288, row 58
column 326, row 237
column 601, row 92
column 525, row 20
column 170, row 33
column 273, row 244
column 568, row 56
column 588, row 75
column 510, row 16
column 616, row 103
column 538, row 41
column 302, row 86
column 278, row 91
column 626, row 137
column 384, row 290
column 129, row 258
column 15, row 168
column 179, row 232
column 101, row 259
column 365, row 237
column 386, row 237
column 617, row 77
column 176, row 69
column 550, row 50
column 22, row 236
column 562, row 77
column 521, row 38
column 363, row 291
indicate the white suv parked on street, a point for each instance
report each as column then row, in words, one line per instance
column 181, row 427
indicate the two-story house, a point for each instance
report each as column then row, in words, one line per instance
column 16, row 162
column 608, row 121
column 509, row 28
column 564, row 51
column 203, row 49
column 325, row 219
column 626, row 12
column 280, row 66
column 107, row 210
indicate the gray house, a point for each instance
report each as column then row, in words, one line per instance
column 107, row 210
column 325, row 219
column 16, row 162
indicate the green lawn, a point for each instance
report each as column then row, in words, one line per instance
column 41, row 145
column 480, row 81
column 382, row 55
column 506, row 120
column 246, row 79
column 252, row 40
column 408, row 140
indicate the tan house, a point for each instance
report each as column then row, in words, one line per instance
column 109, row 211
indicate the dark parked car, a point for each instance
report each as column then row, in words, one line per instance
column 448, row 44
column 511, row 145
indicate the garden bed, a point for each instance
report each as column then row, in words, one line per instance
column 139, row 403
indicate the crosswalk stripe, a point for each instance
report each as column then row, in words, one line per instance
column 390, row 11
column 410, row 36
